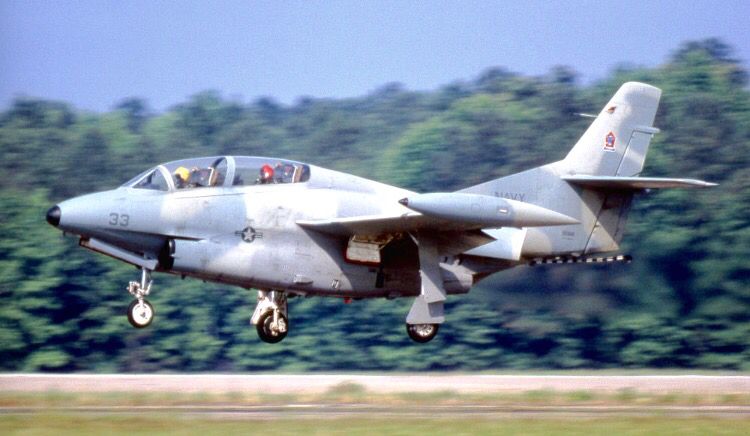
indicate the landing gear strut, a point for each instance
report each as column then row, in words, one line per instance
column 427, row 311
column 270, row 317
column 140, row 311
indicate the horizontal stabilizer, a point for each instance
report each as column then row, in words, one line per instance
column 634, row 183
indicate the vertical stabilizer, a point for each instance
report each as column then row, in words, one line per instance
column 617, row 141
column 615, row 144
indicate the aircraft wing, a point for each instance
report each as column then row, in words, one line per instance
column 373, row 224
column 634, row 183
column 452, row 237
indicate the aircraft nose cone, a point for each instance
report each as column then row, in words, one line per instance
column 53, row 215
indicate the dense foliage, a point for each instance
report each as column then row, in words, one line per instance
column 683, row 302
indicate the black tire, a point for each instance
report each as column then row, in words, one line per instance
column 422, row 332
column 136, row 318
column 265, row 333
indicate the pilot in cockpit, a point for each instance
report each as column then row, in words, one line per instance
column 284, row 173
column 266, row 175
column 181, row 177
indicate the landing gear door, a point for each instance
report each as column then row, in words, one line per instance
column 365, row 250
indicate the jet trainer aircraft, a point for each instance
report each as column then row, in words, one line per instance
column 293, row 229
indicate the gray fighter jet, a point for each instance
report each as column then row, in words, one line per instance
column 291, row 229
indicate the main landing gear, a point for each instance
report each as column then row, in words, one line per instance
column 427, row 313
column 140, row 311
column 422, row 332
column 271, row 317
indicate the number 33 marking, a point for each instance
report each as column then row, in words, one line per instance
column 119, row 219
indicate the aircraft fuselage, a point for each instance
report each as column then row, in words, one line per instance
column 248, row 236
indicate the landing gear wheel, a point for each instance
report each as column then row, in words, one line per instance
column 140, row 314
column 268, row 332
column 422, row 332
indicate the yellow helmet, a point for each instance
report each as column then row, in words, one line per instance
column 183, row 173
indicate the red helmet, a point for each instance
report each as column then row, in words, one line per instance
column 266, row 172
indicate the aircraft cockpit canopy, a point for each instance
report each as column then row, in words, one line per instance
column 222, row 171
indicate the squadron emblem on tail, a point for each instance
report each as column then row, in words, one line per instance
column 609, row 142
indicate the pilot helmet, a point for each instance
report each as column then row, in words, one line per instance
column 266, row 172
column 182, row 173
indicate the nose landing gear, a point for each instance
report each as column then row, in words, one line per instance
column 140, row 311
column 271, row 317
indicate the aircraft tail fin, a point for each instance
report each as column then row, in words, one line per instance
column 594, row 183
column 616, row 143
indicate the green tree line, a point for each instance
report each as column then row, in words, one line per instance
column 683, row 302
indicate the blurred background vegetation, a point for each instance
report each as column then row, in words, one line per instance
column 683, row 302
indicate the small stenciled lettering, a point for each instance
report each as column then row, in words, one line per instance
column 511, row 195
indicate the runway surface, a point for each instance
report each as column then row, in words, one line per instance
column 319, row 411
column 381, row 384
column 310, row 396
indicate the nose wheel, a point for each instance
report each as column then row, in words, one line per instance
column 140, row 311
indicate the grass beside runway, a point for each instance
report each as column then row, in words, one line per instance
column 73, row 424
column 352, row 393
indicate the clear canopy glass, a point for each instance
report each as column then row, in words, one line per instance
column 220, row 171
